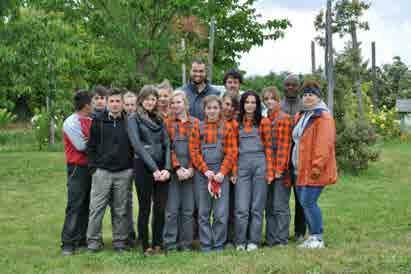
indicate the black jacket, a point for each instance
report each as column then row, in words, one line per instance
column 150, row 141
column 109, row 147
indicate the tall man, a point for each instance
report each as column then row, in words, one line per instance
column 198, row 88
column 110, row 156
column 291, row 104
column 76, row 129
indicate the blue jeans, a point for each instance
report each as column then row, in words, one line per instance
column 308, row 197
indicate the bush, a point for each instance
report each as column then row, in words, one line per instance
column 355, row 146
column 385, row 122
column 6, row 117
column 41, row 126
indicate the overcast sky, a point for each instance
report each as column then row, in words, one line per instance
column 390, row 28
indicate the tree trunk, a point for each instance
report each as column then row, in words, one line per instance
column 313, row 65
column 374, row 77
column 211, row 50
column 329, row 59
column 357, row 80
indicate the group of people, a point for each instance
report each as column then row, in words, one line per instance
column 211, row 167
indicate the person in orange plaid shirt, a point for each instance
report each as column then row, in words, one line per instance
column 180, row 202
column 278, row 198
column 251, row 172
column 213, row 150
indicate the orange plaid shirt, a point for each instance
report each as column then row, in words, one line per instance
column 266, row 138
column 282, row 130
column 230, row 146
column 184, row 130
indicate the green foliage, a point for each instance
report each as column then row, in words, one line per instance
column 386, row 122
column 41, row 126
column 6, row 118
column 258, row 83
column 355, row 146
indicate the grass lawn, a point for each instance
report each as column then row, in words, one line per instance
column 367, row 226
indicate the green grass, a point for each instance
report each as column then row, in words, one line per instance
column 366, row 220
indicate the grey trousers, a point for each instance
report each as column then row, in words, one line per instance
column 179, row 214
column 250, row 200
column 211, row 235
column 278, row 213
column 109, row 188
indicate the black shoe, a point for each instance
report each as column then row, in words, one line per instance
column 67, row 250
column 94, row 247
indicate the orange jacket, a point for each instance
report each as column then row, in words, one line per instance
column 317, row 151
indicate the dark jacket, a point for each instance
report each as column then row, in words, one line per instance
column 109, row 147
column 150, row 141
column 195, row 99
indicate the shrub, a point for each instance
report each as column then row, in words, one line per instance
column 385, row 122
column 41, row 126
column 355, row 146
column 6, row 117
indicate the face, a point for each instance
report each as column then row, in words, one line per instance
column 198, row 73
column 310, row 99
column 291, row 88
column 250, row 105
column 212, row 111
column 149, row 103
column 228, row 109
column 177, row 105
column 270, row 102
column 232, row 86
column 99, row 102
column 115, row 104
column 163, row 98
column 130, row 104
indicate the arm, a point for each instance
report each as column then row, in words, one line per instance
column 324, row 139
column 235, row 160
column 166, row 140
column 93, row 143
column 138, row 146
column 230, row 150
column 266, row 138
column 283, row 133
column 195, row 149
column 72, row 129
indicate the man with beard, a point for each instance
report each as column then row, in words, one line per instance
column 198, row 88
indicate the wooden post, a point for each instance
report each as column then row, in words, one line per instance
column 374, row 77
column 183, row 65
column 313, row 65
column 357, row 66
column 211, row 50
column 329, row 58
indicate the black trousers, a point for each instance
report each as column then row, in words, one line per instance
column 74, row 231
column 150, row 193
column 300, row 226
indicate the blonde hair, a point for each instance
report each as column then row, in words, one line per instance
column 129, row 94
column 183, row 95
column 271, row 90
column 212, row 98
column 165, row 85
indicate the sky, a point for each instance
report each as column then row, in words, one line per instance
column 390, row 28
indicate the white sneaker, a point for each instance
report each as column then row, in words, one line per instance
column 312, row 242
column 240, row 247
column 252, row 247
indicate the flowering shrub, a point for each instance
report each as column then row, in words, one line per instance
column 385, row 122
column 41, row 127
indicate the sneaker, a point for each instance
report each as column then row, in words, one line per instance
column 252, row 247
column 94, row 247
column 229, row 245
column 240, row 247
column 299, row 239
column 312, row 243
column 67, row 250
column 148, row 252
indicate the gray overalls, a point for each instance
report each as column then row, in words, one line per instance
column 180, row 202
column 278, row 204
column 212, row 236
column 251, row 188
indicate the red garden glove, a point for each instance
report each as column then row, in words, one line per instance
column 214, row 188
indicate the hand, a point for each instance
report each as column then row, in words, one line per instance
column 278, row 175
column 209, row 174
column 219, row 177
column 157, row 175
column 165, row 175
column 270, row 180
column 190, row 172
column 180, row 174
column 234, row 179
column 315, row 173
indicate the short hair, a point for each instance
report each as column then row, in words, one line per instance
column 81, row 99
column 292, row 78
column 198, row 61
column 233, row 74
column 212, row 98
column 129, row 94
column 273, row 91
column 100, row 91
column 165, row 85
column 310, row 84
column 115, row 91
column 181, row 93
column 234, row 100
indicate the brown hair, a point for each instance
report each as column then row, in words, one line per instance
column 273, row 91
column 212, row 98
column 165, row 85
column 144, row 93
column 310, row 84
